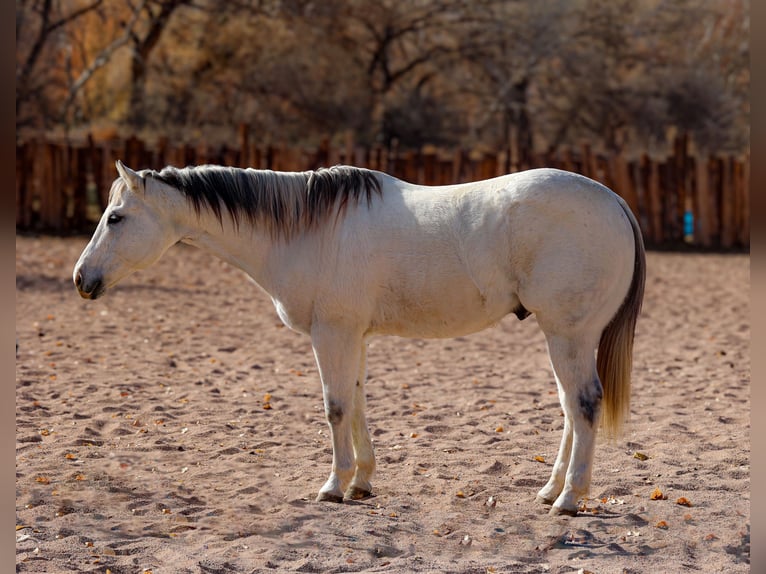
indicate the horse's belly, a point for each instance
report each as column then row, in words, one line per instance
column 450, row 313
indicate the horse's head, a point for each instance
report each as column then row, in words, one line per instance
column 133, row 233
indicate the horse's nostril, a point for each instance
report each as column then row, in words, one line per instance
column 78, row 280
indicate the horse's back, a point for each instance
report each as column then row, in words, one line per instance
column 455, row 259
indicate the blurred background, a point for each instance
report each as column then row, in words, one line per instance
column 648, row 96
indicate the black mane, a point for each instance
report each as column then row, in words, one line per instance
column 285, row 201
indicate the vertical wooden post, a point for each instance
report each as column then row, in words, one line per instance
column 457, row 166
column 361, row 157
column 651, row 174
column 96, row 160
column 429, row 165
column 716, row 185
column 243, row 137
column 53, row 189
column 349, row 147
column 489, row 166
column 323, row 154
column 376, row 158
column 567, row 162
column 80, row 189
column 514, row 154
column 500, row 164
column 412, row 171
column 256, row 157
column 744, row 189
column 729, row 200
column 703, row 231
column 682, row 175
column 588, row 161
column 392, row 156
column 622, row 184
column 134, row 153
column 21, row 185
column 334, row 154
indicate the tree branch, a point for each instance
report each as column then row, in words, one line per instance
column 100, row 60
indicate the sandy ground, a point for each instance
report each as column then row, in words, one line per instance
column 143, row 442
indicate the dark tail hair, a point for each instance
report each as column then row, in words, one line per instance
column 615, row 349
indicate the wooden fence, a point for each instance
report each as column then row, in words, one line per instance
column 63, row 188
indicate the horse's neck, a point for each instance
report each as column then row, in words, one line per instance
column 246, row 248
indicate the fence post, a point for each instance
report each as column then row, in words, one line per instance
column 623, row 185
column 244, row 145
column 52, row 196
column 134, row 153
column 22, row 191
column 744, row 190
column 78, row 167
column 651, row 173
column 429, row 165
column 728, row 203
column 703, row 231
column 588, row 161
column 349, row 148
column 457, row 165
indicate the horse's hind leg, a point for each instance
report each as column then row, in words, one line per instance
column 337, row 352
column 550, row 492
column 580, row 392
column 363, row 452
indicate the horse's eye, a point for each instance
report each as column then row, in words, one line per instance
column 113, row 218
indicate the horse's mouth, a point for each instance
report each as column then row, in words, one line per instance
column 93, row 291
column 93, row 295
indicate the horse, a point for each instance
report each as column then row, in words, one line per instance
column 347, row 253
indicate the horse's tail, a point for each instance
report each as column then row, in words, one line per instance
column 615, row 349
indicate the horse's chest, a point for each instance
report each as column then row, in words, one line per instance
column 294, row 317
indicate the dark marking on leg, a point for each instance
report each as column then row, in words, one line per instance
column 521, row 312
column 590, row 402
column 334, row 413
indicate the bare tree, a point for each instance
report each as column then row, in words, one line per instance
column 100, row 60
column 508, row 48
column 143, row 43
column 547, row 73
column 400, row 47
column 37, row 22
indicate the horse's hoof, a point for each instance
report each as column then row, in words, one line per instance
column 356, row 493
column 329, row 497
column 559, row 511
column 545, row 501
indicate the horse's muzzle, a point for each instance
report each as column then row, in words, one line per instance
column 91, row 289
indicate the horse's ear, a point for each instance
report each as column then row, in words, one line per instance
column 133, row 179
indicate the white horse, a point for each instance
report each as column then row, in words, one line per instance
column 347, row 253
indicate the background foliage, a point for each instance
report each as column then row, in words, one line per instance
column 547, row 73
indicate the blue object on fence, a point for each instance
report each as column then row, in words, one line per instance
column 688, row 226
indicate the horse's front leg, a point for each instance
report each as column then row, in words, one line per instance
column 360, row 436
column 337, row 353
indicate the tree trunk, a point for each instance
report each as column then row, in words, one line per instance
column 142, row 50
